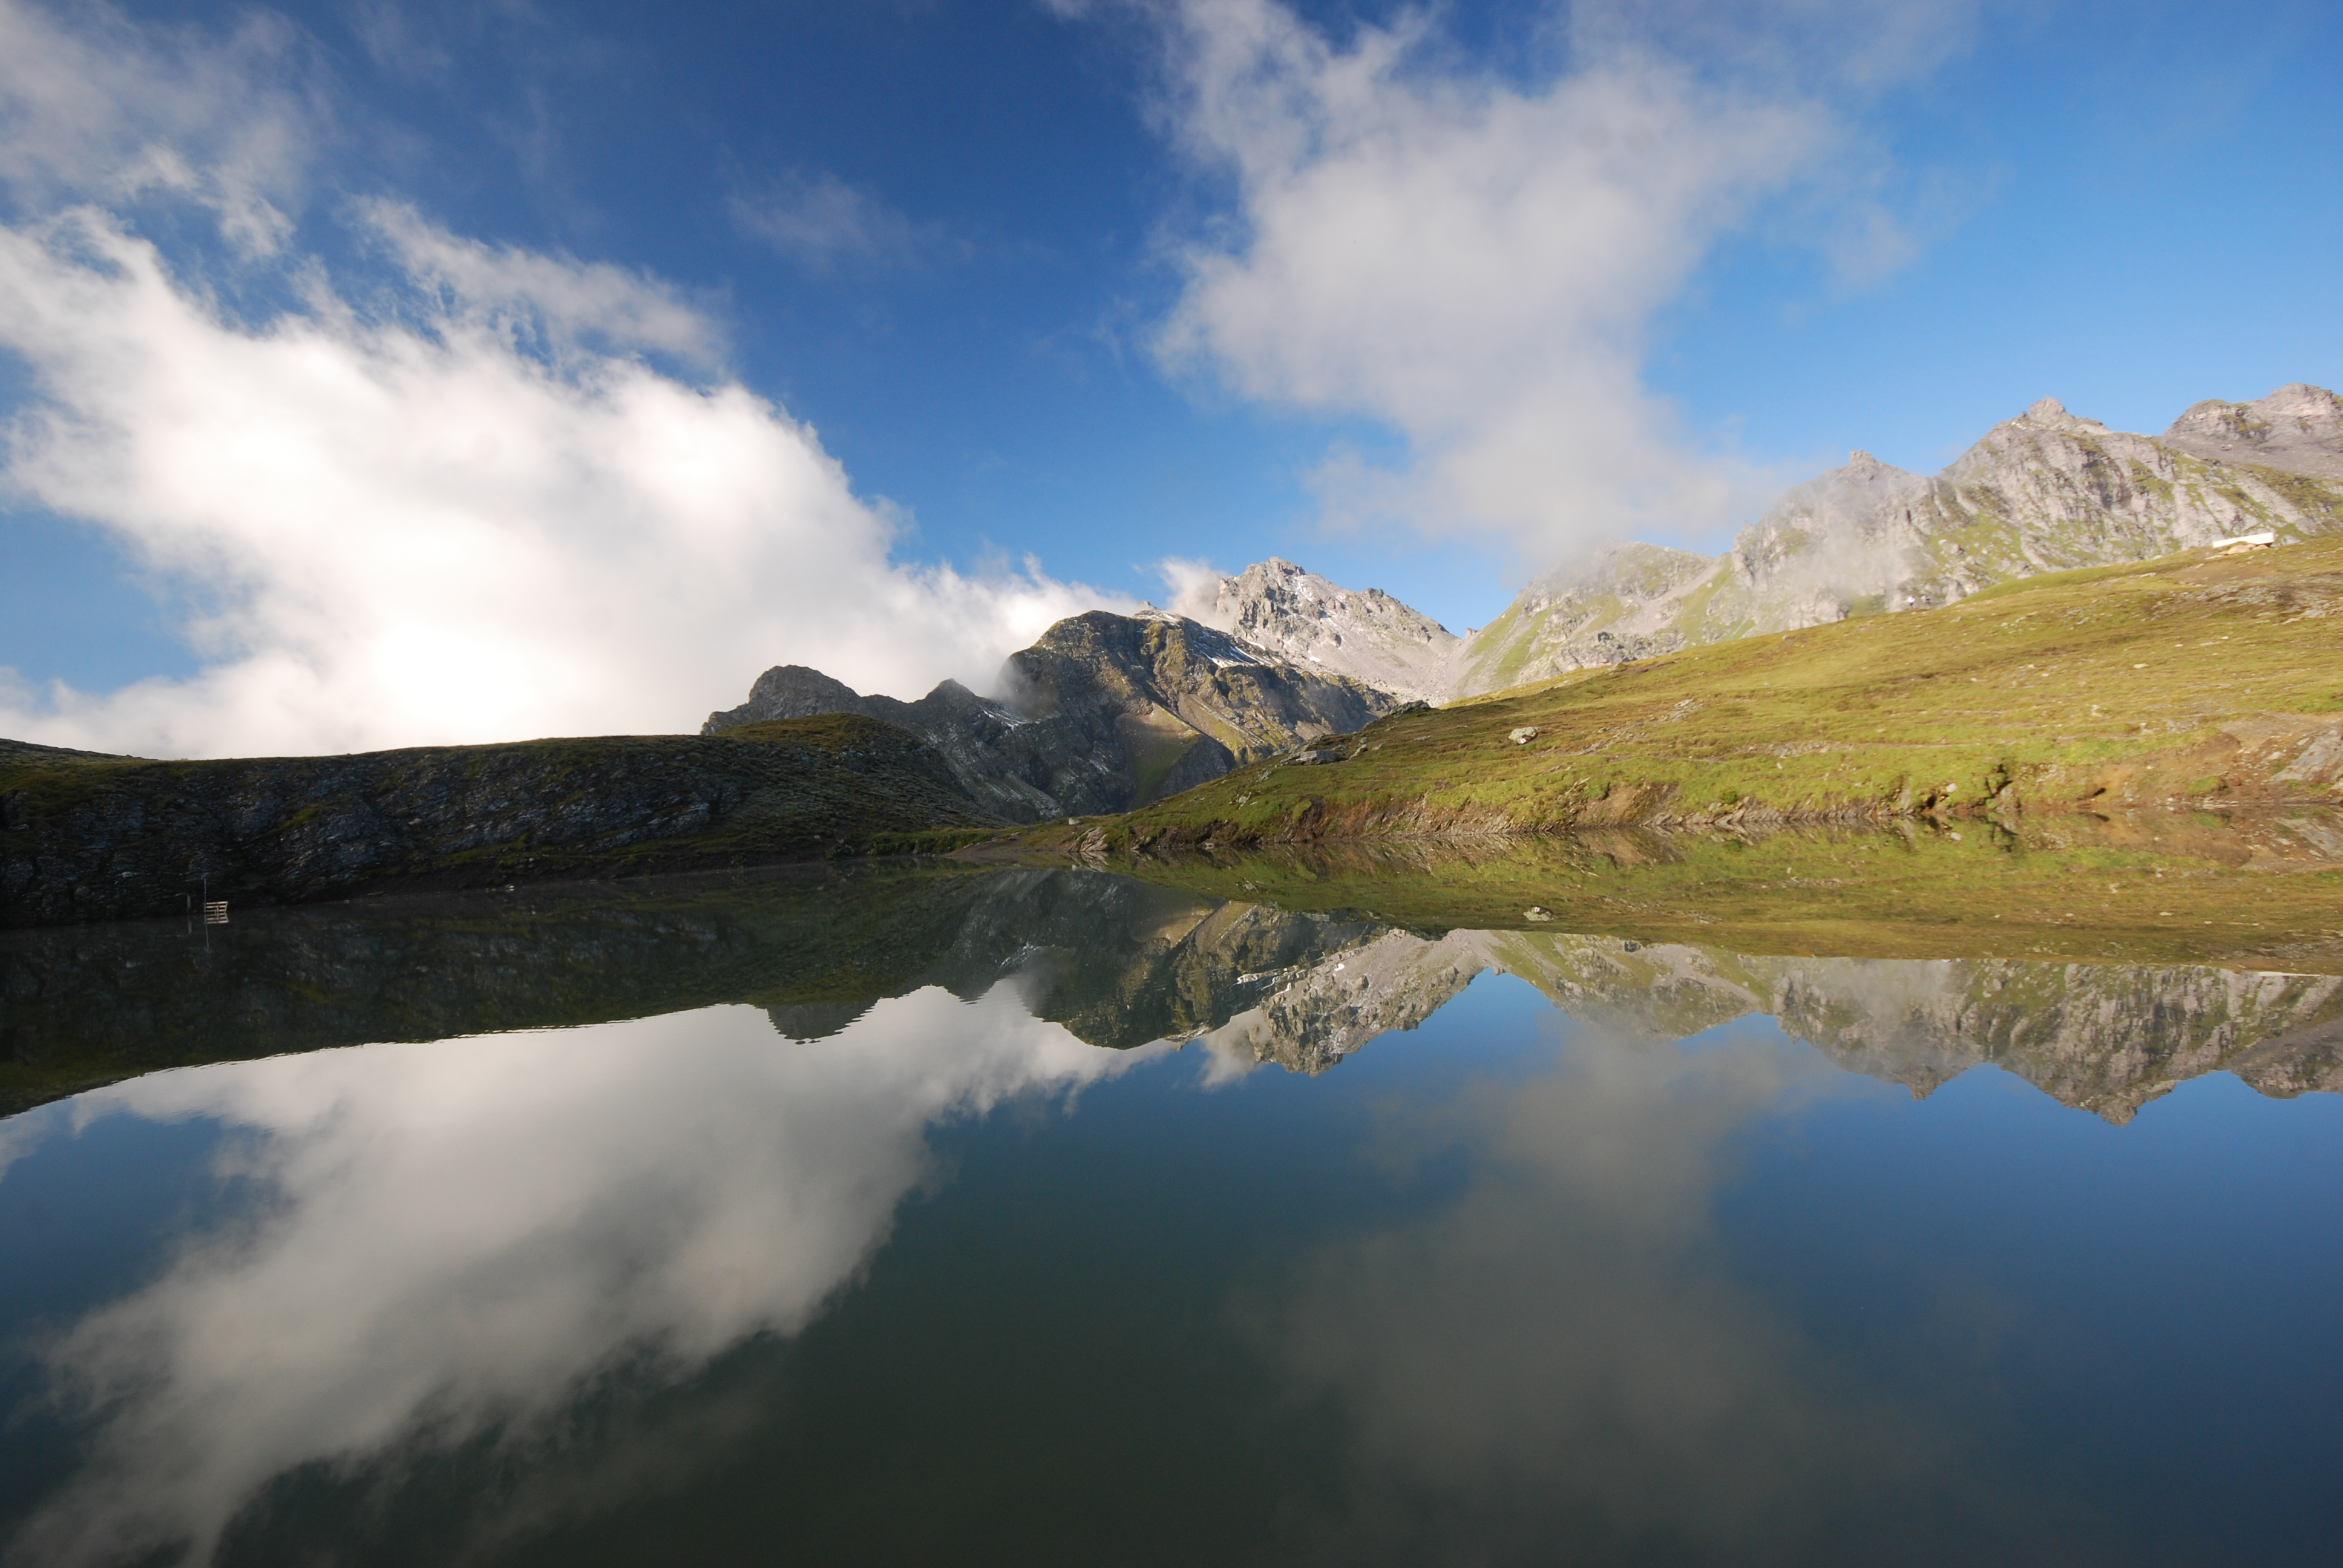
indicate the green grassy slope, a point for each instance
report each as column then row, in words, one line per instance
column 2193, row 679
column 2133, row 762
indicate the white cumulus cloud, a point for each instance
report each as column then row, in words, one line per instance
column 1476, row 261
column 488, row 494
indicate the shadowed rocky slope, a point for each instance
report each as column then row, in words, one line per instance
column 85, row 838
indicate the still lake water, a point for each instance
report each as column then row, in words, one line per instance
column 885, row 1221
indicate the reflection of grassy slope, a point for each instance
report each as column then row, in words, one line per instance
column 2143, row 684
column 2166, row 889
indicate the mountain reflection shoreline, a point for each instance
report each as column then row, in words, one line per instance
column 1120, row 964
column 882, row 1215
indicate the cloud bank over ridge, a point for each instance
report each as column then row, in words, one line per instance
column 1476, row 262
column 487, row 494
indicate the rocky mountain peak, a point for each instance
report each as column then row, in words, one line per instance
column 1107, row 711
column 1363, row 634
column 1102, row 713
column 2049, row 414
column 2297, row 428
column 798, row 691
column 2044, row 491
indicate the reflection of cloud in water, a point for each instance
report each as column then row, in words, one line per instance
column 459, row 1236
column 1558, row 1366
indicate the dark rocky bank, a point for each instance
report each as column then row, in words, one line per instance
column 86, row 838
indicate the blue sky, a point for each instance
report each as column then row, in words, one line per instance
column 1422, row 299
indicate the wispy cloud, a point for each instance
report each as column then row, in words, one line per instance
column 825, row 224
column 100, row 107
column 559, row 301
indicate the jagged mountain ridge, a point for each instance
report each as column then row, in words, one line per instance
column 2297, row 428
column 2044, row 491
column 1100, row 716
column 1366, row 634
column 1104, row 713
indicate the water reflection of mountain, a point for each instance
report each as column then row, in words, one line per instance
column 2106, row 1038
column 1118, row 962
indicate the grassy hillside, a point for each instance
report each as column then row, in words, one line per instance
column 2195, row 680
column 2136, row 763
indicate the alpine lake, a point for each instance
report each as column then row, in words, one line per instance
column 1838, row 1198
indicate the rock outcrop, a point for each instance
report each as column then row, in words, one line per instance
column 2297, row 429
column 1104, row 713
column 2045, row 491
column 1367, row 635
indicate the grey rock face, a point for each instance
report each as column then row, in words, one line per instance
column 2045, row 491
column 1367, row 635
column 2297, row 429
column 795, row 692
column 1105, row 712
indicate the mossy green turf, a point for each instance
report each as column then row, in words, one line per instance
column 2120, row 687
